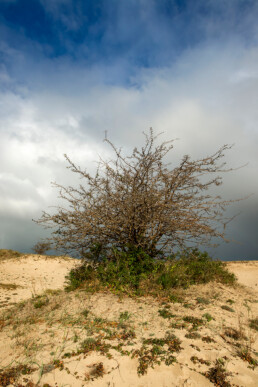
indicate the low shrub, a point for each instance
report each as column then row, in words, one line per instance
column 5, row 254
column 218, row 374
column 123, row 270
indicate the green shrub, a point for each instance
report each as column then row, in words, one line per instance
column 194, row 267
column 127, row 269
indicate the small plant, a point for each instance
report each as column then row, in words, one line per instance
column 229, row 301
column 201, row 300
column 40, row 301
column 208, row 339
column 9, row 286
column 196, row 322
column 178, row 325
column 253, row 323
column 175, row 299
column 90, row 344
column 99, row 320
column 196, row 359
column 234, row 333
column 208, row 317
column 165, row 313
column 193, row 335
column 228, row 308
column 156, row 353
column 187, row 305
column 124, row 316
column 218, row 375
column 85, row 312
column 244, row 353
column 10, row 375
column 96, row 372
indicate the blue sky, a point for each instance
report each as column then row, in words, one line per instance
column 71, row 69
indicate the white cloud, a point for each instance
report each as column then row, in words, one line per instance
column 208, row 98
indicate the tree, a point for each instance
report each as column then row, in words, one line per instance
column 41, row 247
column 137, row 201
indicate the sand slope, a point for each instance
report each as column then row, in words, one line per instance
column 47, row 333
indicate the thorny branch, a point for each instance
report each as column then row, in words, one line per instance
column 137, row 200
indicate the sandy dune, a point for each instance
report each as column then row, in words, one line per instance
column 50, row 334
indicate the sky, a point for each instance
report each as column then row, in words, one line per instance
column 71, row 69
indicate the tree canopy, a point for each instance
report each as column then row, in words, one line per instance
column 139, row 201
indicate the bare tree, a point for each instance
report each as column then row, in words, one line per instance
column 138, row 201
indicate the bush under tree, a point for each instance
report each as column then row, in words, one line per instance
column 136, row 209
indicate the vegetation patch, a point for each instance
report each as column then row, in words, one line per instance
column 231, row 302
column 5, row 254
column 208, row 317
column 196, row 359
column 10, row 375
column 196, row 322
column 175, row 299
column 97, row 371
column 9, row 286
column 234, row 333
column 153, row 352
column 245, row 354
column 218, row 374
column 178, row 325
column 202, row 300
column 253, row 323
column 193, row 335
column 228, row 308
column 40, row 301
column 166, row 313
column 208, row 339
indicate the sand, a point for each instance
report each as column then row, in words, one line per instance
column 44, row 329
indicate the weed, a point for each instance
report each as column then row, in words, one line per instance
column 91, row 344
column 178, row 325
column 96, row 372
column 229, row 301
column 244, row 353
column 196, row 359
column 195, row 347
column 10, row 375
column 165, row 313
column 5, row 254
column 40, row 301
column 201, row 300
column 156, row 353
column 253, row 323
column 124, row 316
column 226, row 307
column 208, row 339
column 193, row 335
column 9, row 286
column 175, row 299
column 85, row 312
column 234, row 333
column 188, row 305
column 218, row 375
column 58, row 364
column 208, row 317
column 196, row 322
